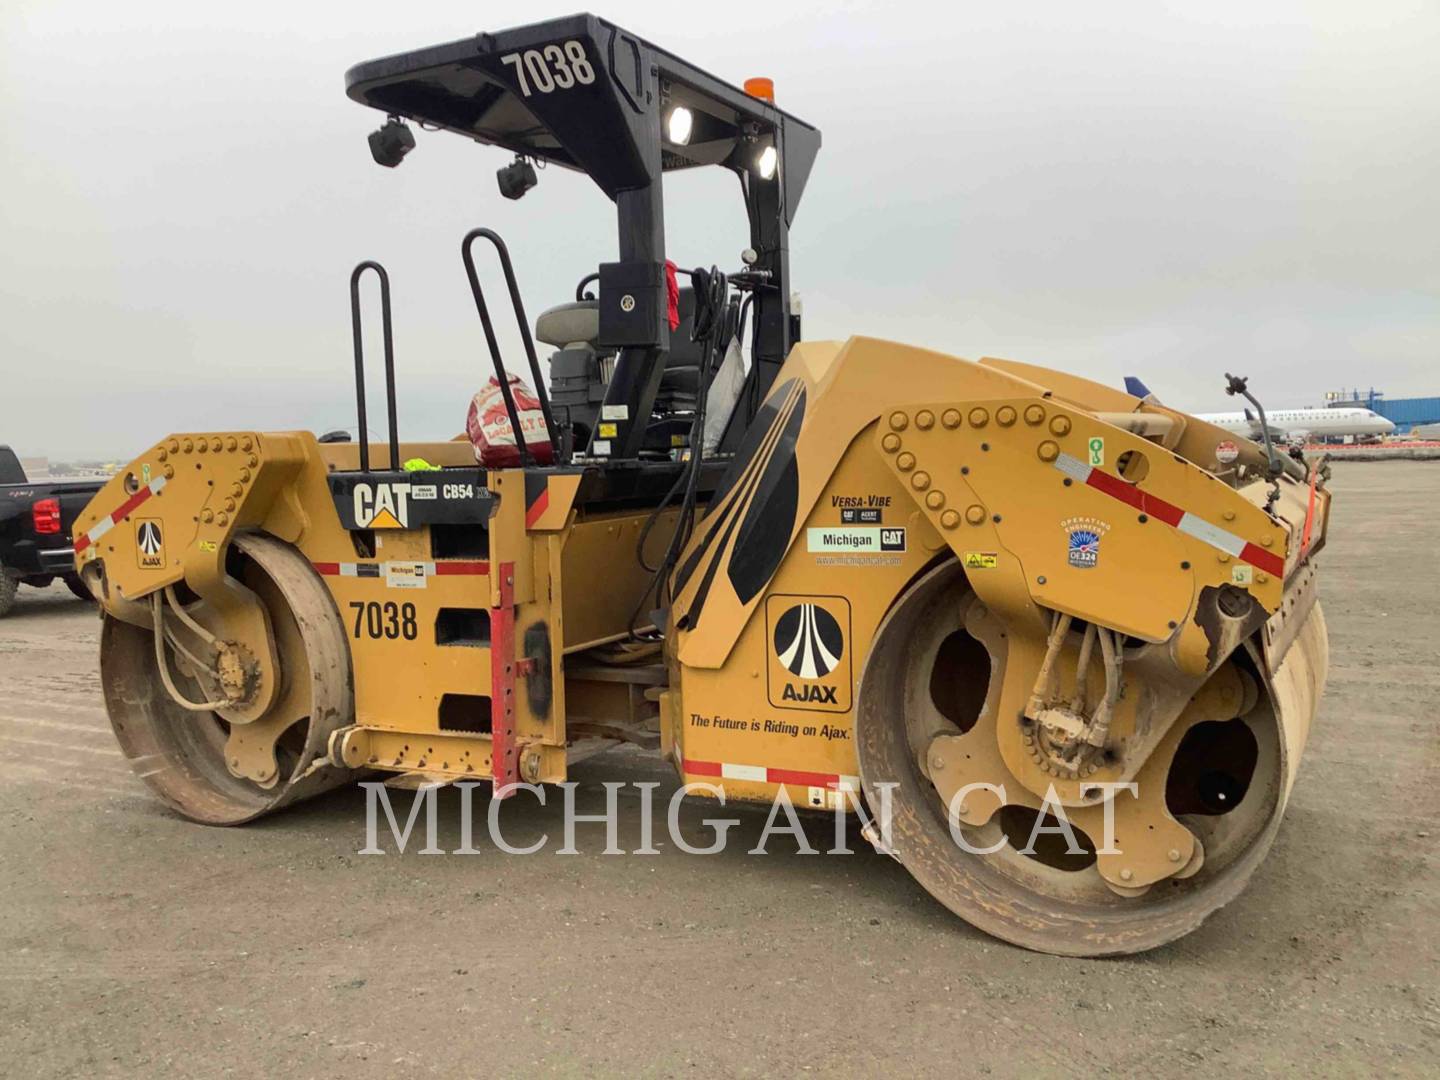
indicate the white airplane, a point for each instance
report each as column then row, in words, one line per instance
column 1289, row 423
column 1303, row 423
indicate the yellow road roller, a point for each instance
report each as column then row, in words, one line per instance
column 1064, row 637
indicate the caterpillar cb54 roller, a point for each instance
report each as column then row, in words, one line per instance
column 971, row 598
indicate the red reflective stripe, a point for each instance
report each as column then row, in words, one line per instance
column 1261, row 559
column 538, row 507
column 329, row 569
column 1161, row 510
column 795, row 776
column 130, row 504
column 1128, row 493
column 1114, row 487
column 82, row 542
column 447, row 568
column 702, row 768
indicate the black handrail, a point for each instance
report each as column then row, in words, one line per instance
column 370, row 264
column 500, row 374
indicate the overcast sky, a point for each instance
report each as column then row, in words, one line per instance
column 1168, row 190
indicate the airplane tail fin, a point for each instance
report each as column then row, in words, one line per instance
column 1135, row 388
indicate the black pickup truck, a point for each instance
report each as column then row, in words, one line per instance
column 35, row 523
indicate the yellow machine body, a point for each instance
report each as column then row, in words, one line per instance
column 897, row 457
column 1044, row 500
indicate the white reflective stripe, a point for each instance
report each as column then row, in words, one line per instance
column 103, row 526
column 1073, row 467
column 761, row 774
column 744, row 772
column 1210, row 534
column 157, row 484
column 347, row 569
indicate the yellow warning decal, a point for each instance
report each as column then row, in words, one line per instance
column 981, row 560
column 609, row 431
column 384, row 519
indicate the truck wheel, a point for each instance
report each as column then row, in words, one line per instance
column 8, row 585
column 76, row 586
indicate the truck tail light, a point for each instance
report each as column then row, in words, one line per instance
column 46, row 513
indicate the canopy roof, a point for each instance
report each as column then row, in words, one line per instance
column 582, row 93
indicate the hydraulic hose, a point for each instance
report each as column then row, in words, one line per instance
column 158, row 609
column 712, row 290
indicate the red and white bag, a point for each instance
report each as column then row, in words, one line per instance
column 488, row 426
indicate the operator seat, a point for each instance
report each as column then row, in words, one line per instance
column 579, row 371
column 575, row 325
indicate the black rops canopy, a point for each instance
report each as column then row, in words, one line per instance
column 583, row 93
column 587, row 95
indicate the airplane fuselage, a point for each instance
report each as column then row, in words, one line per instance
column 1307, row 421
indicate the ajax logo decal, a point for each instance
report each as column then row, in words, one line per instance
column 808, row 641
column 809, row 666
column 382, row 506
column 150, row 544
column 1083, row 541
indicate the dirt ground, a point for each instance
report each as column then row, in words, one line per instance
column 134, row 943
